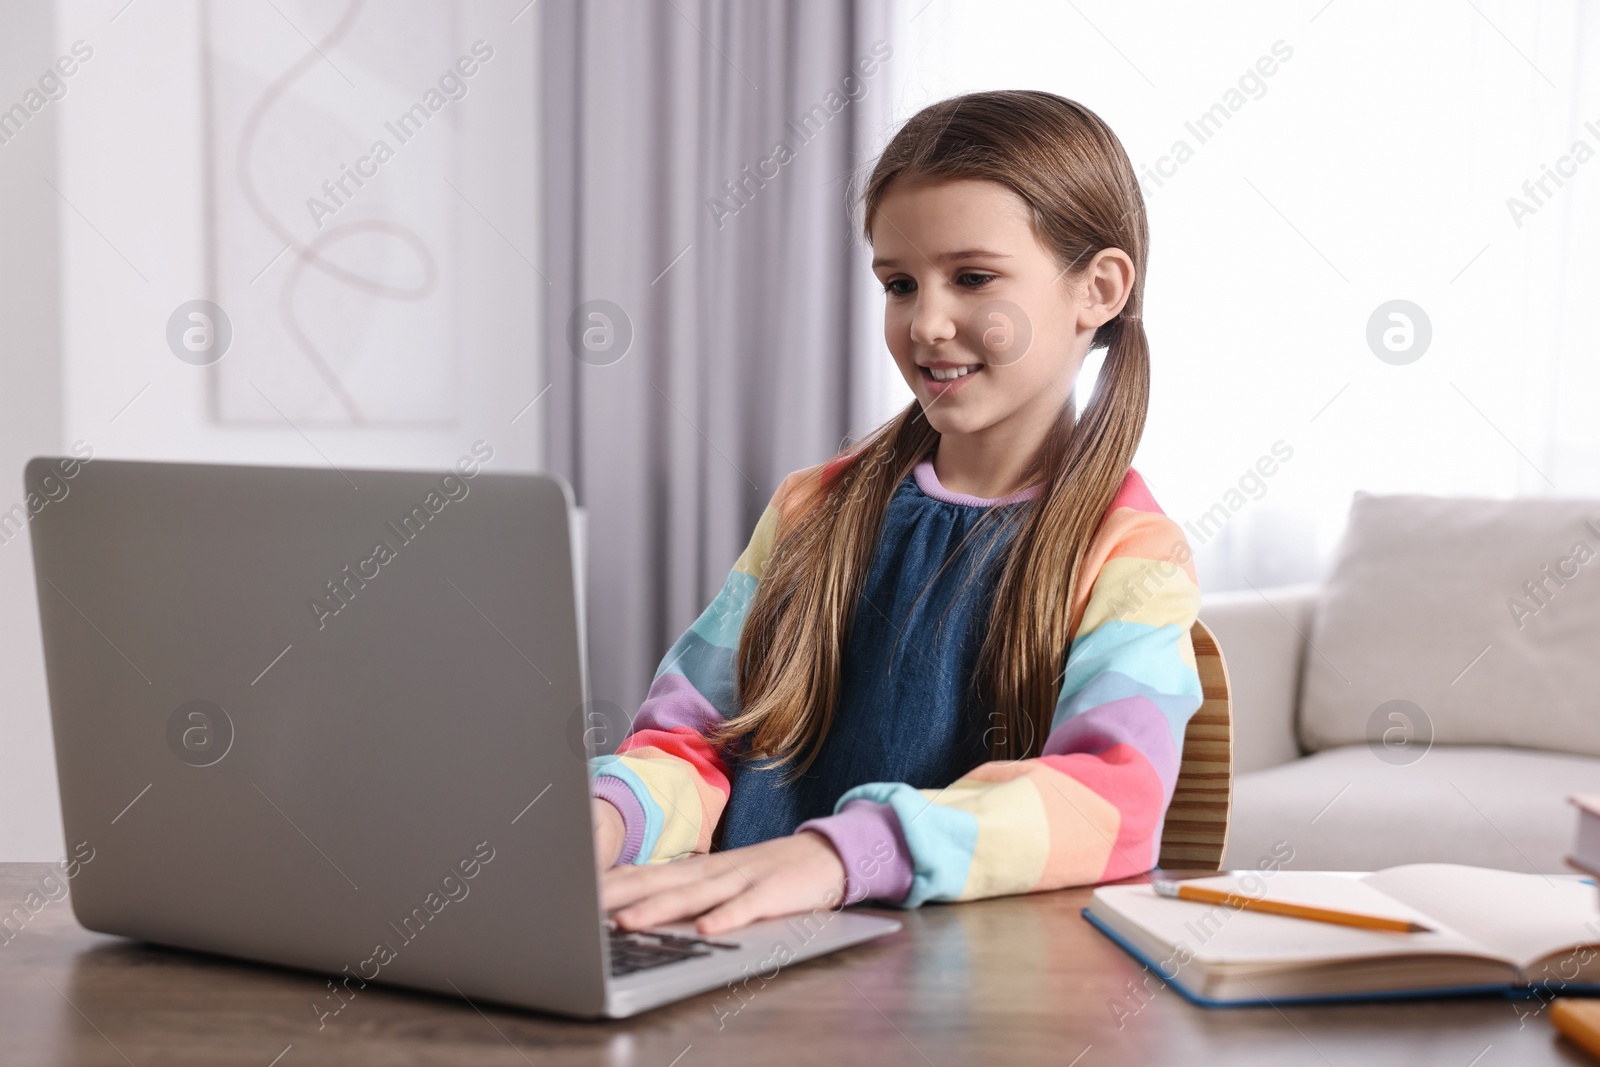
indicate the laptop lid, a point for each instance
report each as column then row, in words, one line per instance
column 329, row 719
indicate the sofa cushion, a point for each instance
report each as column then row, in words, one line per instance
column 1458, row 621
column 1344, row 809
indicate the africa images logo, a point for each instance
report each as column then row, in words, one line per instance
column 452, row 888
column 453, row 487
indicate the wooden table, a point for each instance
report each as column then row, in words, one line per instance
column 1018, row 980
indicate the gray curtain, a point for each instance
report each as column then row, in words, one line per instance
column 732, row 264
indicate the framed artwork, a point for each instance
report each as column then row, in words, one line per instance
column 333, row 207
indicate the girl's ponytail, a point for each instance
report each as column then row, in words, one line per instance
column 790, row 650
column 1024, row 652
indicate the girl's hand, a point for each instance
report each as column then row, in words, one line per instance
column 730, row 889
column 608, row 832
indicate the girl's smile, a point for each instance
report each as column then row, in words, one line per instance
column 943, row 378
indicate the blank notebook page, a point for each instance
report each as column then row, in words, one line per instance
column 1523, row 917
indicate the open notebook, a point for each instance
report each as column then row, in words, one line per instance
column 1491, row 930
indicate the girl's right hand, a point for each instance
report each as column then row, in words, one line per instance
column 608, row 832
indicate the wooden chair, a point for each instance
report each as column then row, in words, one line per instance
column 1196, row 830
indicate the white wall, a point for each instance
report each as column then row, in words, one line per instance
column 30, row 423
column 88, row 288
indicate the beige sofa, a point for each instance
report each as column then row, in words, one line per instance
column 1436, row 698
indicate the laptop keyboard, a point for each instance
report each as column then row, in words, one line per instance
column 640, row 950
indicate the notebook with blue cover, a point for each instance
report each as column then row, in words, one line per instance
column 1491, row 931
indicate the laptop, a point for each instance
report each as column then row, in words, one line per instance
column 339, row 720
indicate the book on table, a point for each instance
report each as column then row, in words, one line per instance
column 1489, row 931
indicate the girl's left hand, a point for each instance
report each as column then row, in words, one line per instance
column 729, row 889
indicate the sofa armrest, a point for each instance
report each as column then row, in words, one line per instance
column 1262, row 637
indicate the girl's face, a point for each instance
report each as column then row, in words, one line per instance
column 984, row 324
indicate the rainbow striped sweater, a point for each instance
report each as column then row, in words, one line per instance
column 1089, row 808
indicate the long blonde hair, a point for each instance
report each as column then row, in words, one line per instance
column 1072, row 172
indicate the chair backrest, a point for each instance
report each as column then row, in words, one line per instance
column 1196, row 830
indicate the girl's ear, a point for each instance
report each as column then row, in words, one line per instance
column 1104, row 287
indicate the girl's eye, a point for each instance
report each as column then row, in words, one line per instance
column 974, row 280
column 898, row 286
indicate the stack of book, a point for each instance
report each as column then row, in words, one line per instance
column 1586, row 853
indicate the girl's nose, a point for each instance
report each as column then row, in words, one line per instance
column 931, row 322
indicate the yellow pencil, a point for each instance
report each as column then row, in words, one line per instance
column 1204, row 895
column 1579, row 1020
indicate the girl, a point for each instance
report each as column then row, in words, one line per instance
column 954, row 661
